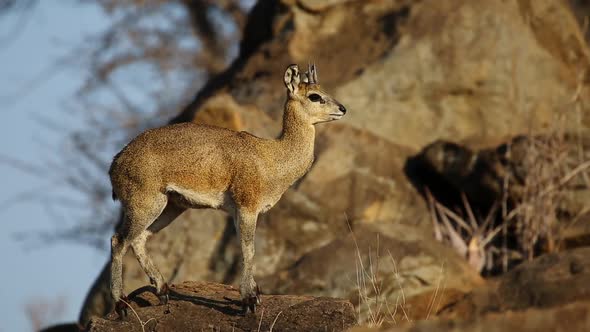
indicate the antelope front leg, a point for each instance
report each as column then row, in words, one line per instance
column 249, row 292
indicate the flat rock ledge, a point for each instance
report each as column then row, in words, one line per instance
column 200, row 306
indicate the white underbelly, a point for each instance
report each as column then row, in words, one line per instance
column 214, row 199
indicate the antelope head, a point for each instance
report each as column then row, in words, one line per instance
column 306, row 95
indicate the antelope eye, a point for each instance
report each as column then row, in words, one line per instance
column 314, row 97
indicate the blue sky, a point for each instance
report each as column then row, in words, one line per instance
column 30, row 88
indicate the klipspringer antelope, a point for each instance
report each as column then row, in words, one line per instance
column 164, row 171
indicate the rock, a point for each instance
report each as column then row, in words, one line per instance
column 540, row 283
column 545, row 294
column 197, row 306
column 463, row 71
column 571, row 317
column 424, row 306
column 551, row 280
column 369, row 266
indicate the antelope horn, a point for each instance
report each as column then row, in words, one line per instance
column 314, row 73
column 311, row 74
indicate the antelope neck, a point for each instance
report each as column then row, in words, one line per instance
column 296, row 141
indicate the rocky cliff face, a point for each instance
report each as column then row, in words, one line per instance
column 410, row 73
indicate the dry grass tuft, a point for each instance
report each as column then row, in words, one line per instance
column 381, row 298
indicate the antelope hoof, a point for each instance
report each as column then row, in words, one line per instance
column 249, row 303
column 163, row 294
column 121, row 307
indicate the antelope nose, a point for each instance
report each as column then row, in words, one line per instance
column 342, row 109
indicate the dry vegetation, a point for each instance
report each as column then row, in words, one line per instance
column 530, row 217
column 375, row 290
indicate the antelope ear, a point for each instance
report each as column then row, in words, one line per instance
column 292, row 78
